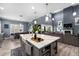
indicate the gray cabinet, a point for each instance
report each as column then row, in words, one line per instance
column 36, row 52
column 29, row 49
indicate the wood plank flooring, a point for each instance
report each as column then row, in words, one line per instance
column 63, row 49
column 67, row 50
column 8, row 45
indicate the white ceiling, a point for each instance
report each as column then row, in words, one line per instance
column 14, row 10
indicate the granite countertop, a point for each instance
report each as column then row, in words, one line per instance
column 47, row 39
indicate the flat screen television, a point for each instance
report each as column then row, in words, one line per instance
column 6, row 26
column 68, row 25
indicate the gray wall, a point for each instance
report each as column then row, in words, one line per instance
column 69, row 18
column 58, row 17
column 41, row 20
column 7, row 31
column 66, row 16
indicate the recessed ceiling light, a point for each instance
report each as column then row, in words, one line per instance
column 5, row 17
column 74, row 13
column 1, row 8
column 33, row 7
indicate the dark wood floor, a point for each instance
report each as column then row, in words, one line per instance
column 12, row 44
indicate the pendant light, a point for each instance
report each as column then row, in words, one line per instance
column 74, row 13
column 35, row 22
column 47, row 17
column 52, row 19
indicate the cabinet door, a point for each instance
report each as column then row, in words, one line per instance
column 28, row 48
column 54, row 48
column 36, row 52
column 0, row 26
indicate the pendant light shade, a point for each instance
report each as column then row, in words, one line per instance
column 35, row 22
column 74, row 13
column 46, row 18
column 53, row 19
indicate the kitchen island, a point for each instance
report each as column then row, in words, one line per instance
column 47, row 47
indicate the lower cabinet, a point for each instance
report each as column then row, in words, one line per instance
column 49, row 50
column 54, row 48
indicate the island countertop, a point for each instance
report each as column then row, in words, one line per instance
column 47, row 39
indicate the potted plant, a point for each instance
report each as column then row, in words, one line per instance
column 36, row 29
